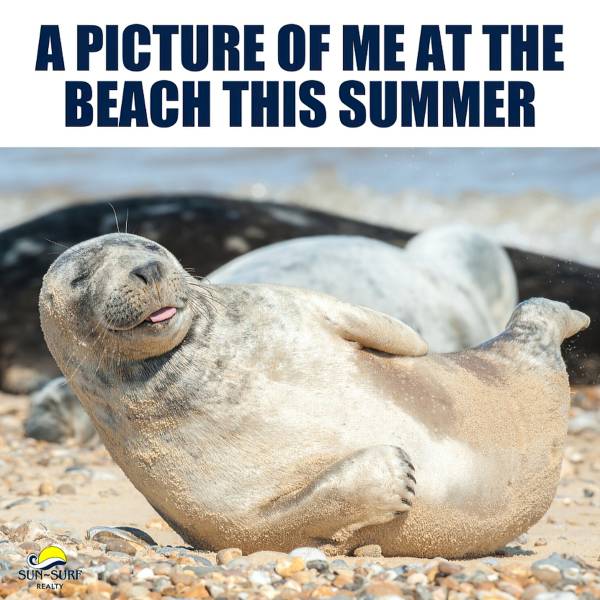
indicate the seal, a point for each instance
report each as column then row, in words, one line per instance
column 55, row 415
column 452, row 284
column 265, row 416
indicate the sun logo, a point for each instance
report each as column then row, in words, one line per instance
column 50, row 556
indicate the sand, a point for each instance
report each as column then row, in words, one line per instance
column 104, row 496
column 69, row 489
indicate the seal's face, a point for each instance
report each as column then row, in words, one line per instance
column 120, row 294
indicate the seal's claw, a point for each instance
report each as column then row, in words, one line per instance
column 390, row 489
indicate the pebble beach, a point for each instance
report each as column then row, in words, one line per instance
column 117, row 547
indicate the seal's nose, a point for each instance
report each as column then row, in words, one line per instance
column 148, row 273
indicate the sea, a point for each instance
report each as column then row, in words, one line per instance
column 545, row 200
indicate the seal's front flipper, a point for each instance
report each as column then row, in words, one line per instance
column 369, row 487
column 375, row 330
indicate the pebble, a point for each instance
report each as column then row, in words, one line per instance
column 145, row 573
column 449, row 568
column 183, row 577
column 227, row 555
column 30, row 530
column 585, row 421
column 66, row 488
column 287, row 566
column 263, row 557
column 372, row 550
column 550, row 570
column 121, row 546
column 416, row 579
column 259, row 578
column 556, row 596
column 533, row 590
column 46, row 488
column 308, row 554
column 339, row 564
column 319, row 565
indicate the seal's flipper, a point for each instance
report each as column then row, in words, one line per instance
column 375, row 330
column 371, row 486
column 542, row 318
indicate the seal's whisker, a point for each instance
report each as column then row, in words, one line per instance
column 210, row 300
column 116, row 218
column 208, row 293
column 57, row 243
column 199, row 308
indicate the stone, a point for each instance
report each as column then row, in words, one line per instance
column 162, row 584
column 343, row 579
column 123, row 546
column 227, row 555
column 259, row 577
column 417, row 579
column 308, row 553
column 286, row 566
column 29, row 531
column 384, row 588
column 372, row 550
column 549, row 570
column 46, row 488
column 263, row 557
column 510, row 587
column 337, row 564
column 183, row 577
column 71, row 588
column 323, row 591
column 162, row 568
column 556, row 596
column 66, row 488
column 198, row 590
column 493, row 595
column 145, row 573
column 515, row 570
column 319, row 565
column 303, row 577
column 449, row 568
column 29, row 547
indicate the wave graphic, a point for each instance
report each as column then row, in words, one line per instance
column 32, row 562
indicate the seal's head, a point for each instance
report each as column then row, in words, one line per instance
column 118, row 293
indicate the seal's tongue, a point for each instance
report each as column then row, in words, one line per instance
column 163, row 314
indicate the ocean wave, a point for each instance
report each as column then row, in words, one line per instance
column 531, row 221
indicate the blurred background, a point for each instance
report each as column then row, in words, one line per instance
column 545, row 200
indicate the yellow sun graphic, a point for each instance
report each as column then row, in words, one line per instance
column 50, row 556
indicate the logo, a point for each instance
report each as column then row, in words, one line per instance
column 47, row 568
column 50, row 556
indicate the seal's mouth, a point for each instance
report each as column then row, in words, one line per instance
column 162, row 314
column 156, row 321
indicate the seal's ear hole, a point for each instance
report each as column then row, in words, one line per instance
column 81, row 278
column 48, row 298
